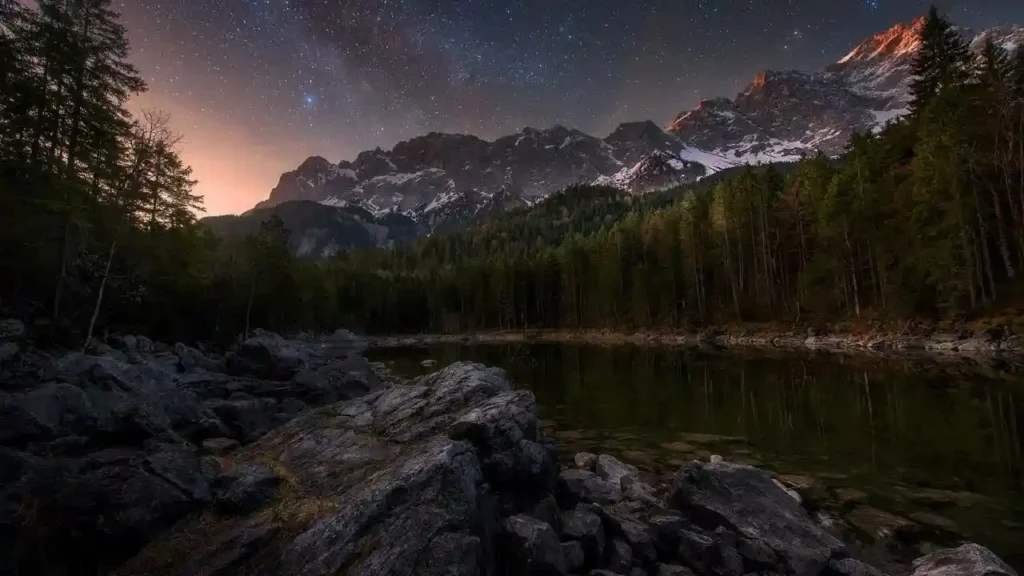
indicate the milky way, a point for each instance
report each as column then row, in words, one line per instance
column 256, row 86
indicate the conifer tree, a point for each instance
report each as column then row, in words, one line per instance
column 942, row 60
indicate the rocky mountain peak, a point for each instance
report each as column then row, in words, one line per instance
column 902, row 40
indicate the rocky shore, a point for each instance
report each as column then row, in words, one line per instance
column 297, row 456
column 991, row 344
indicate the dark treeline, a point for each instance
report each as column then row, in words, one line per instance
column 923, row 220
column 98, row 228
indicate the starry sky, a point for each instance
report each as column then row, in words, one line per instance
column 256, row 86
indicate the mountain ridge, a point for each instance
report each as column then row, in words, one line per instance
column 780, row 116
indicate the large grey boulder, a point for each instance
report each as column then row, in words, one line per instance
column 584, row 526
column 529, row 546
column 613, row 470
column 267, row 356
column 967, row 560
column 400, row 481
column 745, row 501
column 576, row 486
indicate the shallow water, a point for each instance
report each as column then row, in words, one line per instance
column 913, row 438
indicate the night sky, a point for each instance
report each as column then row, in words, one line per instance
column 256, row 86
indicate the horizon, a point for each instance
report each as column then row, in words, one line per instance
column 243, row 129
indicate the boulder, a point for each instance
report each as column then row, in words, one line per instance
column 573, row 555
column 672, row 570
column 267, row 356
column 584, row 526
column 613, row 471
column 746, row 501
column 11, row 330
column 219, row 446
column 190, row 359
column 248, row 418
column 528, row 546
column 389, row 483
column 877, row 524
column 576, row 486
column 585, row 460
column 851, row 567
column 245, row 489
column 967, row 560
column 620, row 557
column 8, row 350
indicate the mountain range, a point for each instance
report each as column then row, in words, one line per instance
column 440, row 182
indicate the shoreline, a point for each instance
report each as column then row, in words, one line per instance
column 936, row 346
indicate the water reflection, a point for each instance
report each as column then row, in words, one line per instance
column 908, row 436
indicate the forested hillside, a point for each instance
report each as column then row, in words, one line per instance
column 924, row 219
column 98, row 220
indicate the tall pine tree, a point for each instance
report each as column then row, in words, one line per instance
column 943, row 60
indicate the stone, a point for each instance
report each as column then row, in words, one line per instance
column 672, row 570
column 8, row 350
column 613, row 471
column 877, row 524
column 792, row 493
column 268, row 356
column 848, row 496
column 605, row 573
column 248, row 418
column 528, row 546
column 698, row 551
column 190, row 359
column 620, row 557
column 850, row 567
column 573, row 555
column 967, row 560
column 11, row 329
column 639, row 491
column 392, row 482
column 812, row 493
column 746, row 501
column 586, row 527
column 934, row 521
column 245, row 489
column 585, row 460
column 582, row 486
column 428, row 363
column 546, row 510
column 219, row 446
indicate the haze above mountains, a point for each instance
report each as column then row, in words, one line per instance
column 444, row 181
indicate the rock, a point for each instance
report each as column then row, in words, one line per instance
column 428, row 363
column 812, row 493
column 850, row 567
column 613, row 471
column 848, row 496
column 8, row 350
column 245, row 489
column 673, row 570
column 529, row 546
column 585, row 460
column 605, row 573
column 634, row 489
column 219, row 446
column 715, row 459
column 967, row 560
column 584, row 526
column 792, row 493
column 582, row 486
column 248, row 418
column 877, row 524
column 388, row 484
column 11, row 330
column 573, row 555
column 934, row 521
column 546, row 510
column 268, row 356
column 101, row 509
column 746, row 501
column 709, row 557
column 620, row 557
column 190, row 359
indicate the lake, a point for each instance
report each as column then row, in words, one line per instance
column 941, row 444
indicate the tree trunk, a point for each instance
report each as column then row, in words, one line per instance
column 853, row 272
column 248, row 307
column 99, row 295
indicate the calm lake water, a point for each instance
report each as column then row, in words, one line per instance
column 912, row 437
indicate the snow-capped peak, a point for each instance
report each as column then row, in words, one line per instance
column 901, row 40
